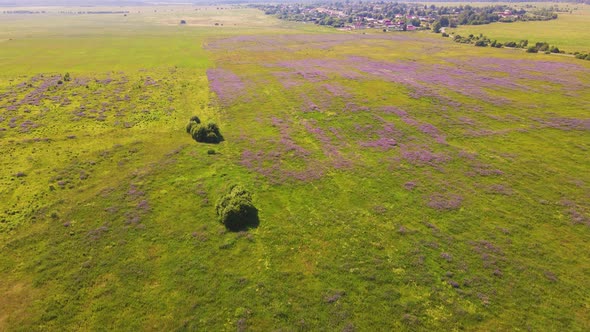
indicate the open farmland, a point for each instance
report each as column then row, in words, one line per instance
column 569, row 32
column 402, row 181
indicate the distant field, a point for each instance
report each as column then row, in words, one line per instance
column 403, row 181
column 570, row 32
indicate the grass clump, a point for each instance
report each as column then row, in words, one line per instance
column 236, row 210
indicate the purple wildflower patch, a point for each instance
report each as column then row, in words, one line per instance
column 226, row 85
column 383, row 143
column 444, row 201
column 421, row 155
column 410, row 185
column 482, row 169
column 566, row 123
column 385, row 138
column 337, row 90
column 329, row 147
column 491, row 255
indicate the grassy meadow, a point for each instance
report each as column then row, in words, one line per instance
column 569, row 32
column 402, row 181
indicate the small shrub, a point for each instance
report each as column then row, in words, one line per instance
column 194, row 120
column 208, row 133
column 210, row 151
column 542, row 46
column 236, row 210
column 532, row 49
column 510, row 44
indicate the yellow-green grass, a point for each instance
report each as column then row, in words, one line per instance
column 136, row 245
column 570, row 31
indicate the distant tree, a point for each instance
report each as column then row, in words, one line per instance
column 182, row 21
column 542, row 46
column 510, row 44
column 436, row 27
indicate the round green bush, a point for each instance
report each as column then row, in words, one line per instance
column 208, row 133
column 199, row 133
column 236, row 210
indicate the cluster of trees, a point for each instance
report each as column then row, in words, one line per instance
column 339, row 14
column 483, row 15
column 481, row 40
column 484, row 41
column 203, row 133
column 542, row 14
column 467, row 15
column 521, row 44
column 236, row 210
column 66, row 78
column 582, row 56
column 542, row 47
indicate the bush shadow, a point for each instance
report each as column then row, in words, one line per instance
column 249, row 221
column 220, row 139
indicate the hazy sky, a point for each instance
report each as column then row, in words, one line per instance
column 93, row 2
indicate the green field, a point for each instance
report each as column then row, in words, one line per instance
column 402, row 181
column 570, row 31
